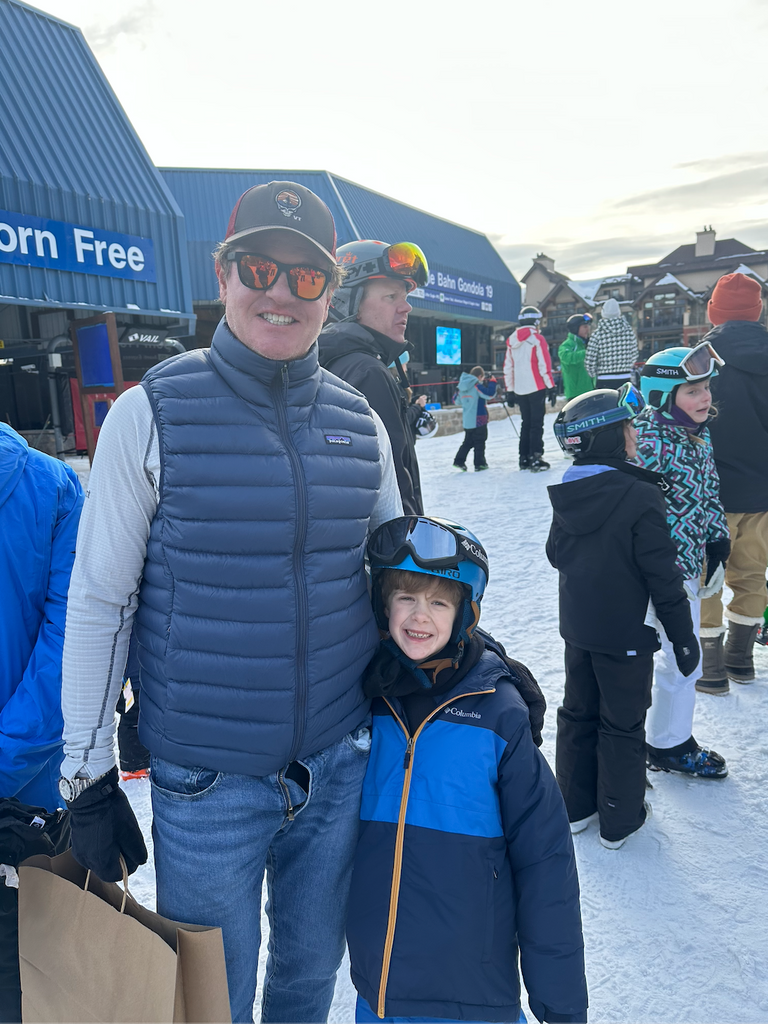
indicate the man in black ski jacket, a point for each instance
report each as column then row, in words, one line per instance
column 370, row 314
column 740, row 442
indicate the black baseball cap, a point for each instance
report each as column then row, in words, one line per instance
column 284, row 206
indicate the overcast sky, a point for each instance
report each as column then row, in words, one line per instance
column 603, row 134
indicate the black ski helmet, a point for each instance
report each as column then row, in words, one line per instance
column 368, row 259
column 528, row 316
column 593, row 423
column 576, row 322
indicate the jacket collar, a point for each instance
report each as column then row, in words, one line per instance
column 251, row 376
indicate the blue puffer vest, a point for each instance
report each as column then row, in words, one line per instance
column 254, row 621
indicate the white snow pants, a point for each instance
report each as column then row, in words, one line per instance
column 670, row 718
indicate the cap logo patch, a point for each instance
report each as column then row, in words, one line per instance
column 338, row 439
column 287, row 202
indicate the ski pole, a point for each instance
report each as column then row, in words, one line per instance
column 509, row 417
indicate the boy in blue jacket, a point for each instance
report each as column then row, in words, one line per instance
column 465, row 856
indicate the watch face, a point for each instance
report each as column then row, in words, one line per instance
column 66, row 789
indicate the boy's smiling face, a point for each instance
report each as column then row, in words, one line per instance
column 420, row 624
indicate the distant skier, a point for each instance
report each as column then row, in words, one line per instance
column 571, row 353
column 612, row 349
column 474, row 388
column 673, row 440
column 610, row 542
column 528, row 378
column 464, row 859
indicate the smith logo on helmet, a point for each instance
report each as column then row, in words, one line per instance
column 666, row 371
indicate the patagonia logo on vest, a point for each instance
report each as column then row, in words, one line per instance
column 338, row 439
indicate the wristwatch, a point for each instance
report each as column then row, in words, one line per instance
column 70, row 789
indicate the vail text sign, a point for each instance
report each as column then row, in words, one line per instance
column 36, row 242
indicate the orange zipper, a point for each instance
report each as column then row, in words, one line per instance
column 397, row 868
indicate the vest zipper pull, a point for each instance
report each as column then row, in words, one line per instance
column 408, row 753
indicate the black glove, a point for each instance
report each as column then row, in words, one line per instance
column 552, row 396
column 511, row 398
column 717, row 554
column 103, row 827
column 687, row 656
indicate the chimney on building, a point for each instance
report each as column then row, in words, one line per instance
column 705, row 242
column 545, row 261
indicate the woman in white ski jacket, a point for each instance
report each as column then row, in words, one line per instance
column 528, row 379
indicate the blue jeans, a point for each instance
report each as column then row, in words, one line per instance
column 365, row 1015
column 216, row 833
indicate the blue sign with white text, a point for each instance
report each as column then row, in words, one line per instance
column 36, row 242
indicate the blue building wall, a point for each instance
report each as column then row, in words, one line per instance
column 69, row 154
column 470, row 279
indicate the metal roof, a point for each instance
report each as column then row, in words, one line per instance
column 68, row 153
column 465, row 259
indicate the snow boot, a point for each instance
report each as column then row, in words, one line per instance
column 538, row 465
column 714, row 678
column 525, row 462
column 616, row 844
column 458, row 465
column 704, row 764
column 738, row 652
column 484, row 466
column 582, row 823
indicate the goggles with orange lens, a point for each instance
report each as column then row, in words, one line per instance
column 702, row 362
column 403, row 260
column 259, row 273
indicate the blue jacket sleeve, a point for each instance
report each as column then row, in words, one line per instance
column 31, row 721
column 488, row 387
column 546, row 883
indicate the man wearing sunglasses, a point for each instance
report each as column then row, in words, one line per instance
column 370, row 314
column 229, row 505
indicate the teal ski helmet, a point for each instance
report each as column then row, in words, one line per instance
column 435, row 547
column 664, row 371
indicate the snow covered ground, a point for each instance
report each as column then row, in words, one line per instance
column 676, row 922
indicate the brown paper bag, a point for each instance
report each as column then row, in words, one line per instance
column 98, row 955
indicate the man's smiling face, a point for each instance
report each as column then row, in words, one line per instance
column 274, row 323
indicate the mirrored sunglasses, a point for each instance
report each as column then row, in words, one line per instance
column 259, row 273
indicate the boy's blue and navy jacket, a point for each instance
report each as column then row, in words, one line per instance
column 40, row 502
column 465, row 855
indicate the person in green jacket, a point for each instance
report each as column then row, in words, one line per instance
column 576, row 380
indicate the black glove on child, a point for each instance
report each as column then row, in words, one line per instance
column 717, row 554
column 687, row 656
column 511, row 398
column 104, row 827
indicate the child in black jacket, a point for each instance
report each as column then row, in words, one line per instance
column 611, row 544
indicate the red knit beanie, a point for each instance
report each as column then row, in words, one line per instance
column 735, row 297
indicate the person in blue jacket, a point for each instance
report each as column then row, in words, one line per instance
column 40, row 502
column 464, row 858
column 473, row 390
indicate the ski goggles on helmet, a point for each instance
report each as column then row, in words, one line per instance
column 630, row 399
column 403, row 259
column 259, row 273
column 628, row 404
column 702, row 361
column 420, row 544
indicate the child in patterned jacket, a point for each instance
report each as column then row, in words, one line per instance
column 673, row 440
